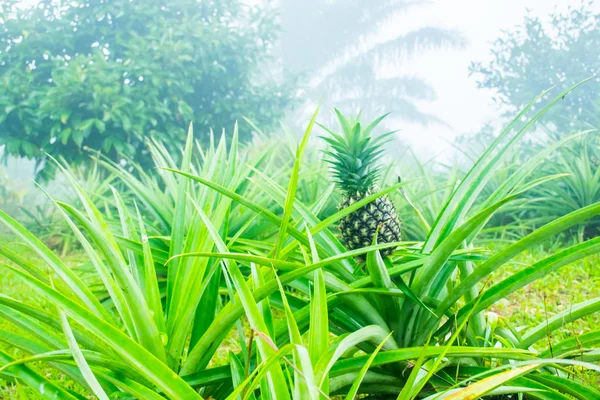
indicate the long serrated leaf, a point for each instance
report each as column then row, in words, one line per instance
column 484, row 386
column 140, row 359
column 293, row 186
column 38, row 383
column 318, row 336
column 179, row 220
column 66, row 274
column 356, row 384
column 85, row 369
column 151, row 288
column 570, row 314
column 146, row 330
column 276, row 378
column 372, row 333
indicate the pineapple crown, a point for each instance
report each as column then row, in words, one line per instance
column 355, row 153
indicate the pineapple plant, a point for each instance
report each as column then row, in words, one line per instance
column 354, row 158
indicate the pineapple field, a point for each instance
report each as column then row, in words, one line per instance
column 284, row 200
column 237, row 271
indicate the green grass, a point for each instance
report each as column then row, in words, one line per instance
column 546, row 297
column 525, row 308
column 554, row 293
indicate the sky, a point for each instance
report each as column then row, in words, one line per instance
column 459, row 103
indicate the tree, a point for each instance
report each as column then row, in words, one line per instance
column 346, row 70
column 528, row 60
column 537, row 56
column 106, row 75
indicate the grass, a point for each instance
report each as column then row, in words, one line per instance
column 525, row 308
column 546, row 297
column 554, row 293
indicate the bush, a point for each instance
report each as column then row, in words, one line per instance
column 103, row 75
column 573, row 161
column 579, row 186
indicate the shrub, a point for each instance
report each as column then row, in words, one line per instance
column 578, row 187
column 572, row 160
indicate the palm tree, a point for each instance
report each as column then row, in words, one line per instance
column 336, row 43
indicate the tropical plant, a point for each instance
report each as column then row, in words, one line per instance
column 408, row 325
column 516, row 72
column 573, row 159
column 42, row 218
column 347, row 53
column 105, row 75
column 579, row 187
column 355, row 161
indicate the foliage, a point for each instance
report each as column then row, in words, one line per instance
column 526, row 61
column 355, row 155
column 536, row 56
column 42, row 218
column 11, row 198
column 345, row 57
column 574, row 160
column 103, row 75
column 38, row 212
column 578, row 188
column 180, row 271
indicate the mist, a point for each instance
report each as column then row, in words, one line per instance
column 299, row 200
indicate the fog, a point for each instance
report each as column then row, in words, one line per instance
column 459, row 102
column 315, row 51
column 461, row 107
column 299, row 199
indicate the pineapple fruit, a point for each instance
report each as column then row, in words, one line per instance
column 354, row 157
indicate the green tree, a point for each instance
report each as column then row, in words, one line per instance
column 106, row 75
column 346, row 70
column 539, row 55
column 530, row 59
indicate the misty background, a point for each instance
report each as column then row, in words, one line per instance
column 410, row 58
column 452, row 98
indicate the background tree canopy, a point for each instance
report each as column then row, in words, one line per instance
column 537, row 56
column 108, row 74
column 528, row 60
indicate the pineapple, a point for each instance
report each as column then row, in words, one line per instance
column 354, row 157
